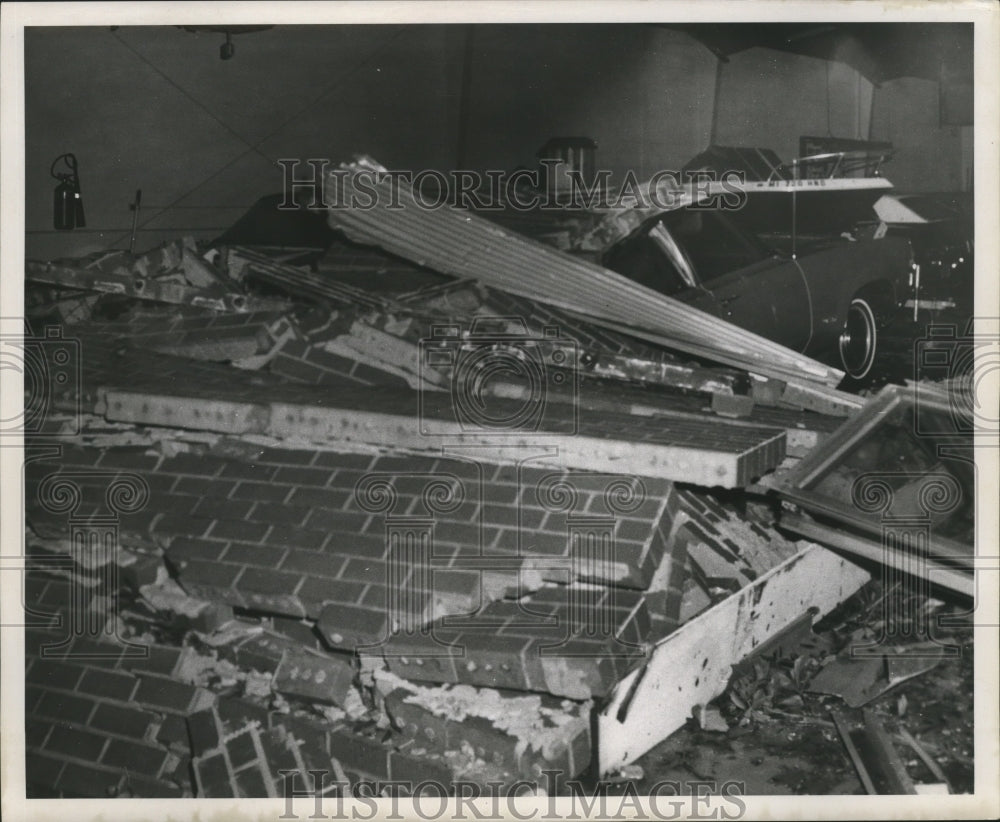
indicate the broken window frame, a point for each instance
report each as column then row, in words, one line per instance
column 866, row 529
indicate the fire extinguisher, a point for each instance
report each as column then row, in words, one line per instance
column 67, row 202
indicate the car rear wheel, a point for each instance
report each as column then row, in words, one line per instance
column 859, row 339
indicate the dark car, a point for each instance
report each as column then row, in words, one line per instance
column 827, row 300
column 940, row 229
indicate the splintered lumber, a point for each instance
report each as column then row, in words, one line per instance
column 456, row 242
column 692, row 666
column 297, row 281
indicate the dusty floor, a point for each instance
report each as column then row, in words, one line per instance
column 782, row 739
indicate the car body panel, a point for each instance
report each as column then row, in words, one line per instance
column 801, row 301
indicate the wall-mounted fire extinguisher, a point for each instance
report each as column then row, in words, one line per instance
column 67, row 201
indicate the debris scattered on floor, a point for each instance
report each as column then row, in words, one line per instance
column 290, row 526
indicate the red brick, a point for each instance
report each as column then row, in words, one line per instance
column 368, row 571
column 259, row 472
column 212, row 574
column 184, row 548
column 65, row 706
column 331, row 498
column 228, row 509
column 54, row 674
column 41, row 774
column 159, row 659
column 76, row 743
column 79, row 780
column 304, row 538
column 252, row 784
column 35, row 732
column 177, row 524
column 32, row 696
column 357, row 753
column 204, row 486
column 121, row 721
column 144, row 787
column 341, row 523
column 333, row 459
column 174, row 503
column 425, row 657
column 298, row 631
column 173, row 731
column 268, row 581
column 287, row 456
column 131, row 458
column 262, row 491
column 361, row 545
column 412, row 769
column 136, row 757
column 278, row 514
column 303, row 476
column 242, row 531
column 313, row 563
column 93, row 652
column 314, row 677
column 264, row 556
column 213, row 777
column 315, row 592
column 348, row 626
column 202, row 465
column 165, row 694
column 501, row 661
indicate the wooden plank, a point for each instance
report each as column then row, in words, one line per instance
column 886, row 757
column 692, row 666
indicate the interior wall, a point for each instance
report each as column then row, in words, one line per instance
column 769, row 99
column 155, row 108
column 929, row 156
column 643, row 94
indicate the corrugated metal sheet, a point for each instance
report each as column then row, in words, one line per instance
column 454, row 241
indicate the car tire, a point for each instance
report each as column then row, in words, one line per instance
column 859, row 339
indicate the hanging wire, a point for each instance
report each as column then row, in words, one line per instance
column 252, row 148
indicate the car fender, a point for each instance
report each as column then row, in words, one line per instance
column 835, row 275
